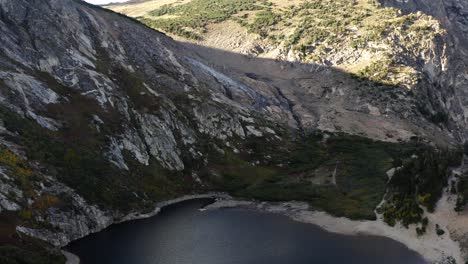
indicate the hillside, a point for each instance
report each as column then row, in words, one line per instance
column 101, row 116
column 408, row 45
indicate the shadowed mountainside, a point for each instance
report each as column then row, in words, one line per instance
column 101, row 117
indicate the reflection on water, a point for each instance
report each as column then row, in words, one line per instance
column 182, row 234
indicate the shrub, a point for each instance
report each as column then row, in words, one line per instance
column 419, row 182
column 191, row 18
column 439, row 231
column 263, row 21
column 361, row 180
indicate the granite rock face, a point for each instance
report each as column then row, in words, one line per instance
column 77, row 44
column 143, row 97
column 84, row 74
column 448, row 75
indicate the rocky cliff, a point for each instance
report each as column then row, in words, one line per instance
column 101, row 117
column 449, row 83
column 88, row 90
column 418, row 45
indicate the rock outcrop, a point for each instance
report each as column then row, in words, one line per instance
column 79, row 74
column 447, row 81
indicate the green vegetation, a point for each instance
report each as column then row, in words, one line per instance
column 440, row 118
column 207, row 10
column 462, row 194
column 325, row 26
column 437, row 116
column 419, row 182
column 378, row 71
column 439, row 231
column 262, row 21
column 421, row 230
column 314, row 29
column 359, row 164
column 26, row 179
column 354, row 22
column 190, row 20
column 175, row 27
column 19, row 169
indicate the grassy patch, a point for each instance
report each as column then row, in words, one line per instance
column 19, row 169
column 190, row 20
column 262, row 21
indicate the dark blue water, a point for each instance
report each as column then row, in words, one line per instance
column 181, row 234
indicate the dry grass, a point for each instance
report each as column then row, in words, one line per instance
column 142, row 8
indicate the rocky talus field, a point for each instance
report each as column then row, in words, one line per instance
column 354, row 109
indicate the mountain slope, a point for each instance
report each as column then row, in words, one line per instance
column 101, row 117
column 417, row 44
column 450, row 81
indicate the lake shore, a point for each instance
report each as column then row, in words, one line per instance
column 73, row 259
column 433, row 248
